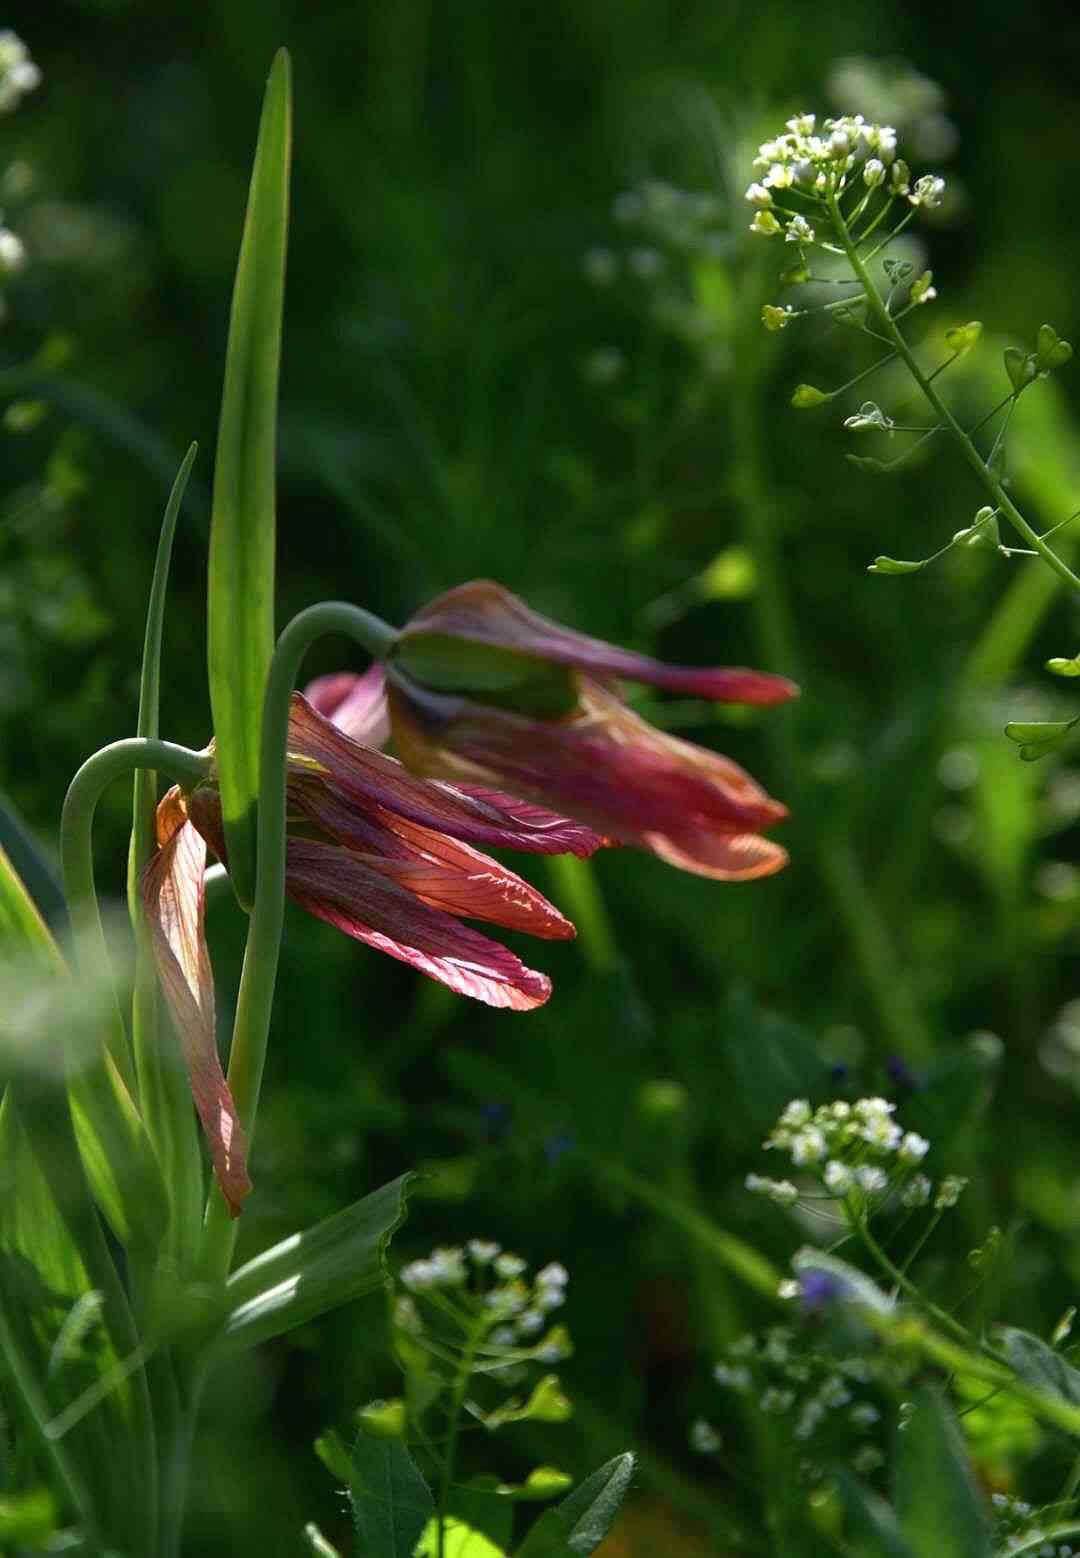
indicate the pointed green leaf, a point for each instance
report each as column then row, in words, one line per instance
column 872, row 1522
column 38, row 873
column 310, row 1273
column 580, row 1523
column 241, row 592
column 1039, row 1365
column 22, row 929
column 895, row 565
column 940, row 1509
column 391, row 1502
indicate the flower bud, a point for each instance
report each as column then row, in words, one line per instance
column 807, row 395
column 899, row 174
column 759, row 196
column 873, row 173
column 765, row 224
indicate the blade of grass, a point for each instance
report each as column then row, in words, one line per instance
column 241, row 584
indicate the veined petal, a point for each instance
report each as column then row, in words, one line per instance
column 371, row 777
column 349, row 892
column 483, row 612
column 607, row 767
column 443, row 872
column 355, row 704
column 175, row 900
column 738, row 857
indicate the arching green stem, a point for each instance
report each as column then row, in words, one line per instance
column 983, row 471
column 256, row 994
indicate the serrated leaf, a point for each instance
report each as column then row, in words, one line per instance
column 309, row 1273
column 241, row 585
column 578, row 1525
column 940, row 1510
column 1039, row 1365
column 391, row 1502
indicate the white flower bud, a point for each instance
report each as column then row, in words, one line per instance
column 12, row 253
column 758, row 195
column 873, row 173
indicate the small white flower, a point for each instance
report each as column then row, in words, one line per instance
column 808, row 1146
column 928, row 190
column 917, row 1191
column 882, row 1133
column 735, row 1378
column 758, row 195
column 780, row 176
column 12, row 253
column 503, row 1336
column 448, row 1266
column 548, row 1298
column 838, row 1178
column 834, row 1393
column 802, row 124
column 553, row 1275
column 483, row 1251
column 913, row 1148
column 873, row 1108
column 776, row 1400
column 529, row 1321
column 704, row 1437
column 788, row 1288
column 799, row 231
column 864, row 1415
column 871, row 1179
column 873, row 172
column 796, row 1113
column 949, row 1191
column 419, row 1275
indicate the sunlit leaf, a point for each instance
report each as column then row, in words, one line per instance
column 241, row 589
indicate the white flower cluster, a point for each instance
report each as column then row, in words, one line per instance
column 822, row 164
column 490, row 1278
column 852, row 1150
column 18, row 73
column 819, row 1395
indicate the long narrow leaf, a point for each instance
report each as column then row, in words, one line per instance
column 578, row 1525
column 241, row 592
column 312, row 1272
column 39, row 874
column 164, row 1096
column 941, row 1512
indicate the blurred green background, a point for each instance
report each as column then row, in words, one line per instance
column 523, row 340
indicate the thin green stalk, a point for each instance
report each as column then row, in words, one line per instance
column 909, row 1288
column 256, row 994
column 164, row 1094
column 457, row 1402
column 986, row 476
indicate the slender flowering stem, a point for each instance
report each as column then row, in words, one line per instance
column 986, row 475
column 121, row 759
column 457, row 1402
column 256, row 994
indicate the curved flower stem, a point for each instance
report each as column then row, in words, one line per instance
column 120, row 759
column 986, row 476
column 256, row 994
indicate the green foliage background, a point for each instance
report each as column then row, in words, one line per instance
column 454, row 163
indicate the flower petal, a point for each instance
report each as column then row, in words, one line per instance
column 443, row 872
column 175, row 900
column 371, row 777
column 736, row 857
column 607, row 767
column 347, row 891
column 355, row 704
column 483, row 612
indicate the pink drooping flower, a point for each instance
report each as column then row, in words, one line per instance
column 483, row 691
column 388, row 858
